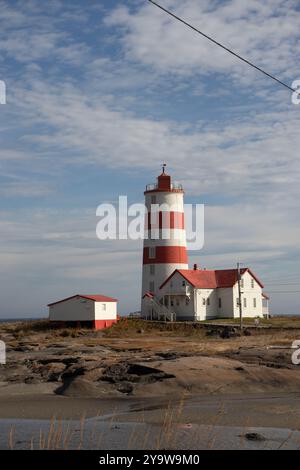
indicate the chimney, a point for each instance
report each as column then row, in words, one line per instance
column 195, row 267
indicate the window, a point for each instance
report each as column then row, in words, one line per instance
column 245, row 302
column 207, row 301
column 220, row 303
column 254, row 302
column 177, row 302
column 183, row 283
column 152, row 252
column 252, row 283
column 172, row 303
column 242, row 283
column 187, row 301
column 103, row 306
column 153, row 199
column 151, row 286
column 203, row 301
column 152, row 269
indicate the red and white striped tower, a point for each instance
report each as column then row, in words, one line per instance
column 165, row 238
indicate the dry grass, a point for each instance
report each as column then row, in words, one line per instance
column 283, row 321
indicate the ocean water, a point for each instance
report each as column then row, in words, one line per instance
column 99, row 433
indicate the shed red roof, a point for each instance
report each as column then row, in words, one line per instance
column 211, row 279
column 95, row 298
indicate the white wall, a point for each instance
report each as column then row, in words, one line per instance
column 210, row 308
column 161, row 272
column 105, row 310
column 248, row 293
column 174, row 200
column 80, row 309
column 76, row 309
column 174, row 286
column 226, row 296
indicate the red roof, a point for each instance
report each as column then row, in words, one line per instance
column 211, row 279
column 95, row 298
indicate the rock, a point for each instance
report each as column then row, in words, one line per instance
column 32, row 380
column 247, row 332
column 229, row 332
column 169, row 355
column 78, row 387
column 51, row 372
column 22, row 349
column 73, row 371
column 213, row 332
column 134, row 373
column 65, row 360
column 125, row 387
column 254, row 436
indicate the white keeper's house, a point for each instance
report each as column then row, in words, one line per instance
column 172, row 291
column 95, row 311
column 200, row 294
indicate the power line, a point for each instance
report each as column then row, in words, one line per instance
column 222, row 46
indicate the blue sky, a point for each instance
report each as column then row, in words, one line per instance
column 99, row 94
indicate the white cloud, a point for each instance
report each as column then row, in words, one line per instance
column 253, row 156
column 264, row 32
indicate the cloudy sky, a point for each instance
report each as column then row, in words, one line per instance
column 99, row 94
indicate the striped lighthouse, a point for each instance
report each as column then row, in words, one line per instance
column 165, row 239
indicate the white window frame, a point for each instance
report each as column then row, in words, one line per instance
column 151, row 286
column 152, row 269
